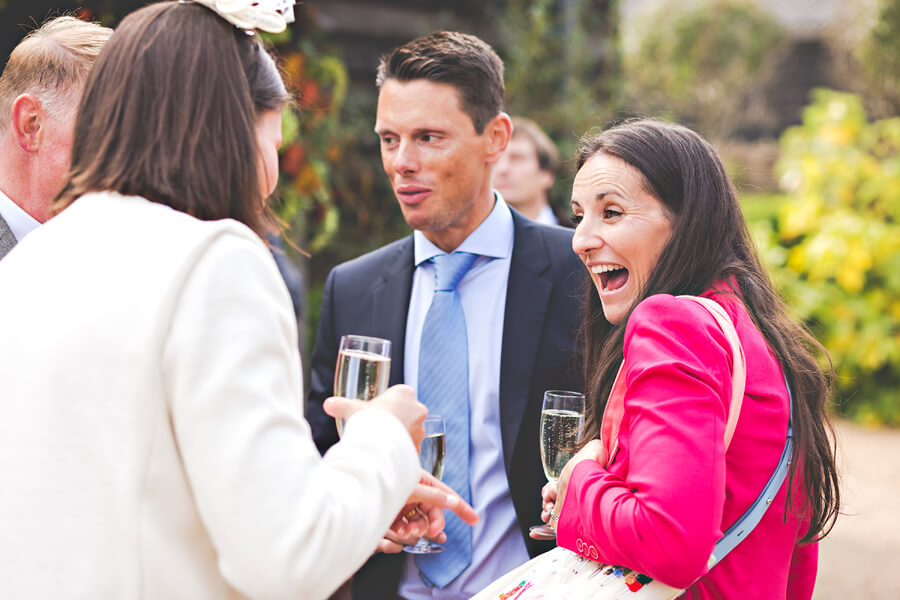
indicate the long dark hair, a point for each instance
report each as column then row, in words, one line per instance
column 169, row 113
column 710, row 243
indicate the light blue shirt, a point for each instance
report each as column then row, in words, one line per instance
column 19, row 221
column 497, row 544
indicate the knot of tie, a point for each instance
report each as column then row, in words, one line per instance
column 449, row 269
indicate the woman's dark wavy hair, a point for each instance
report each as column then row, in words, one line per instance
column 710, row 243
column 169, row 113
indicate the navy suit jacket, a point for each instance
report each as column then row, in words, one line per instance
column 370, row 295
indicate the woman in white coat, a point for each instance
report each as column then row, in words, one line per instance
column 151, row 439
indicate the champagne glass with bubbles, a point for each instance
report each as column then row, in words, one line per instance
column 363, row 369
column 431, row 457
column 562, row 417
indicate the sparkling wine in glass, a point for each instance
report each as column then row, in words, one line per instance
column 363, row 369
column 431, row 457
column 562, row 417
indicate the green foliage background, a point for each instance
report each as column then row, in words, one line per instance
column 832, row 242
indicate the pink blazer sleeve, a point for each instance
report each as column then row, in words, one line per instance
column 802, row 574
column 658, row 508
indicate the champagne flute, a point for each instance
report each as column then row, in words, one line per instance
column 363, row 369
column 431, row 457
column 562, row 417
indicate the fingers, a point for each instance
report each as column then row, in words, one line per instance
column 548, row 492
column 400, row 401
column 435, row 516
column 387, row 546
column 412, row 521
column 438, row 494
column 342, row 408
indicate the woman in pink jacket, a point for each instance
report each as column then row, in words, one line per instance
column 657, row 218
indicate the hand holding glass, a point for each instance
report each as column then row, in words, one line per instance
column 562, row 417
column 363, row 369
column 431, row 457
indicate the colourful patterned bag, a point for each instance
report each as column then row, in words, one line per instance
column 563, row 575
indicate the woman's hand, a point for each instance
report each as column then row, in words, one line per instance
column 399, row 400
column 553, row 495
column 423, row 514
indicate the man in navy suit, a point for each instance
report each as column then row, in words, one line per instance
column 442, row 128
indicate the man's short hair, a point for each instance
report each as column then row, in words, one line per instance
column 458, row 59
column 543, row 145
column 51, row 62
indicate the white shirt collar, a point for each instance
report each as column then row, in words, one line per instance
column 19, row 221
column 493, row 238
column 546, row 216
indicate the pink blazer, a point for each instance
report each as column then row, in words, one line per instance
column 671, row 489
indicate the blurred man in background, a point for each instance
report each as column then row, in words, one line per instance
column 525, row 172
column 39, row 93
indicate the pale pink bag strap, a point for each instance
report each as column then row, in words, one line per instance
column 739, row 363
column 615, row 405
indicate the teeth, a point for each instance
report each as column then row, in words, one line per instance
column 605, row 268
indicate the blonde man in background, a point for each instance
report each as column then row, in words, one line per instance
column 525, row 172
column 39, row 93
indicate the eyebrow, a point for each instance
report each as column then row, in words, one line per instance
column 416, row 132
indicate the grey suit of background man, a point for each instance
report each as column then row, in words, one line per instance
column 442, row 128
column 7, row 239
column 39, row 93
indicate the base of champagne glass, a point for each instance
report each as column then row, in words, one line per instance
column 424, row 546
column 542, row 532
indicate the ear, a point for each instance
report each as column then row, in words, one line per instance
column 27, row 122
column 546, row 180
column 497, row 132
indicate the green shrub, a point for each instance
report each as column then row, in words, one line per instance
column 832, row 242
column 696, row 63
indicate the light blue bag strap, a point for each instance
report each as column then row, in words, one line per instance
column 750, row 519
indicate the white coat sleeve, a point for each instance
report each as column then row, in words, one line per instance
column 285, row 522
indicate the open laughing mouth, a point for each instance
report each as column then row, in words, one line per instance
column 612, row 277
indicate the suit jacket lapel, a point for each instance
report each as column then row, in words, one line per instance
column 527, row 296
column 7, row 239
column 390, row 304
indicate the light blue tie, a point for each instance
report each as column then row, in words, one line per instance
column 444, row 389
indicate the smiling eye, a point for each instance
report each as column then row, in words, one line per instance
column 576, row 219
column 611, row 213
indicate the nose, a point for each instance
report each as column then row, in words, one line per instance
column 406, row 159
column 584, row 242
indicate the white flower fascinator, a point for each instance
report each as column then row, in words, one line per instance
column 267, row 15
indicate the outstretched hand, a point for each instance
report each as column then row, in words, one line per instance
column 423, row 515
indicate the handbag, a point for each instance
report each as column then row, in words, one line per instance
column 563, row 574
